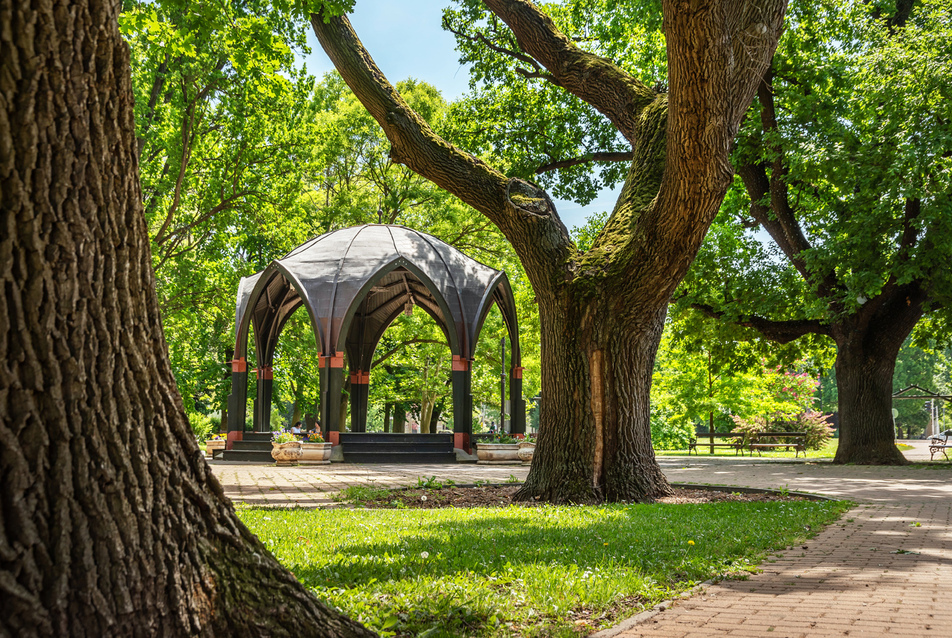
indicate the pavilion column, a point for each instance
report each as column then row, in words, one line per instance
column 517, row 407
column 359, row 398
column 462, row 404
column 263, row 404
column 237, row 400
column 332, row 386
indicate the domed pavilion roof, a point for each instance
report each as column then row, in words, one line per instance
column 355, row 281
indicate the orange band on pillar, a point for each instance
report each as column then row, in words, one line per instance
column 333, row 361
column 265, row 373
column 360, row 377
column 517, row 373
column 239, row 365
column 460, row 364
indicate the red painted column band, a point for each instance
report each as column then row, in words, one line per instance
column 336, row 360
column 360, row 378
column 460, row 364
column 239, row 365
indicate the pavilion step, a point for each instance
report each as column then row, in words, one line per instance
column 257, row 436
column 381, row 447
column 256, row 456
column 247, row 446
column 393, row 456
column 395, row 438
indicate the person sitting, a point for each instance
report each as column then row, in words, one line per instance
column 296, row 428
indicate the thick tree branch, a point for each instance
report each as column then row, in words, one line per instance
column 522, row 212
column 779, row 219
column 778, row 331
column 591, row 157
column 595, row 80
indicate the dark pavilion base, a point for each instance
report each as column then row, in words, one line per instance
column 254, row 446
column 377, row 447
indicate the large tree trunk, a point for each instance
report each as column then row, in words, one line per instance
column 867, row 345
column 112, row 523
column 596, row 375
column 864, row 380
column 601, row 311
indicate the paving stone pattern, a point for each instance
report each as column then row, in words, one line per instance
column 884, row 570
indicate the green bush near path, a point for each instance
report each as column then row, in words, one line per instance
column 536, row 571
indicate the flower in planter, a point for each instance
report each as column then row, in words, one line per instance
column 283, row 437
column 313, row 437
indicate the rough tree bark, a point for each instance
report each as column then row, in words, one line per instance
column 111, row 524
column 601, row 311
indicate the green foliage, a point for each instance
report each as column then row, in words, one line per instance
column 668, row 433
column 706, row 370
column 520, row 122
column 930, row 369
column 521, row 571
column 584, row 236
column 202, row 425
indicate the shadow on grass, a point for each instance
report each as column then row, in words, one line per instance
column 667, row 544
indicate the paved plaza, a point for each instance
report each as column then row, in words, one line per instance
column 884, row 570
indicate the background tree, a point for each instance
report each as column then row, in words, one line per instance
column 601, row 311
column 226, row 128
column 112, row 522
column 846, row 164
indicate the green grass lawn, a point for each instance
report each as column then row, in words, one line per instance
column 540, row 571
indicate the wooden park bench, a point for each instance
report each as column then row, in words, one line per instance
column 730, row 440
column 771, row 440
column 940, row 443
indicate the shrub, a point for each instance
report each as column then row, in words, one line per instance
column 201, row 424
column 669, row 433
column 749, row 428
column 817, row 429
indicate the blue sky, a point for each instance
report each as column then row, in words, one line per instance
column 407, row 42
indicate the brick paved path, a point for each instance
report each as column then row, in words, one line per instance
column 848, row 581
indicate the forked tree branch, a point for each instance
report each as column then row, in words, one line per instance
column 778, row 331
column 609, row 89
column 529, row 222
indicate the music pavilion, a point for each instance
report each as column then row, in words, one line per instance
column 353, row 283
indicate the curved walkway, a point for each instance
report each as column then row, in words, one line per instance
column 884, row 570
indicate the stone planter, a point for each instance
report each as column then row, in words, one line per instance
column 212, row 446
column 498, row 453
column 316, row 453
column 526, row 451
column 286, row 453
